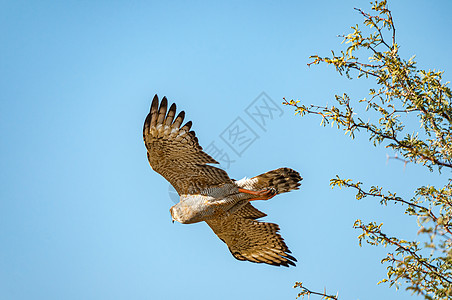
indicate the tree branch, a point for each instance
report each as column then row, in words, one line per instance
column 308, row 292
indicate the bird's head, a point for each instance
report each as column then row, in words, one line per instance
column 185, row 213
column 177, row 214
column 173, row 212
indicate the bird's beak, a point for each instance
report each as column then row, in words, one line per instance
column 172, row 221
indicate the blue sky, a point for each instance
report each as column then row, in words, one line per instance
column 83, row 216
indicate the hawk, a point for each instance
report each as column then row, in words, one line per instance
column 208, row 194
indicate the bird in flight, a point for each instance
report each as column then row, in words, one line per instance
column 208, row 194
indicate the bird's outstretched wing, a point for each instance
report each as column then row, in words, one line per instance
column 252, row 240
column 174, row 151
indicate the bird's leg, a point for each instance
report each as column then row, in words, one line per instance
column 261, row 195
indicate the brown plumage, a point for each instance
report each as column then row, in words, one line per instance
column 174, row 152
column 208, row 194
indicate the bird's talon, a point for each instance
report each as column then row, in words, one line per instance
column 270, row 192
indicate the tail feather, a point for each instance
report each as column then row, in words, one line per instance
column 283, row 180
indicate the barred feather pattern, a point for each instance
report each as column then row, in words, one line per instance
column 283, row 180
column 251, row 240
column 174, row 152
column 208, row 194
